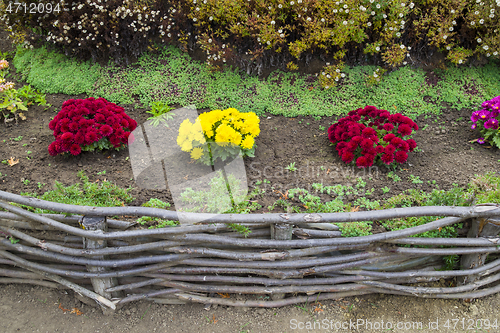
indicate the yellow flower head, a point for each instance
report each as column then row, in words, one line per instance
column 185, row 127
column 186, row 146
column 223, row 134
column 196, row 153
column 235, row 138
column 248, row 142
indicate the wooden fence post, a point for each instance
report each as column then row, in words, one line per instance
column 480, row 227
column 281, row 231
column 98, row 223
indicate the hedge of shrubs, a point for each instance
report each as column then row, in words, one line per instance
column 270, row 33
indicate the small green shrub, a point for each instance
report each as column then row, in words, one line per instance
column 104, row 194
column 155, row 222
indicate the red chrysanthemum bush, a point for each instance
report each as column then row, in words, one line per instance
column 369, row 135
column 90, row 124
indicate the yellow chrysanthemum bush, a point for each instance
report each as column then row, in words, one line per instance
column 219, row 134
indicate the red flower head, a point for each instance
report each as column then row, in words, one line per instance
column 390, row 149
column 389, row 137
column 387, row 158
column 68, row 136
column 91, row 137
column 79, row 138
column 388, row 127
column 351, row 146
column 379, row 149
column 106, row 130
column 396, row 141
column 404, row 146
column 99, row 118
column 75, row 149
column 368, row 132
column 366, row 144
column 401, row 156
column 404, row 129
column 347, row 157
column 341, row 146
column 73, row 127
column 412, row 144
column 361, row 162
column 115, row 141
column 357, row 139
column 124, row 122
column 68, row 103
column 384, row 115
column 52, row 149
column 355, row 117
column 52, row 124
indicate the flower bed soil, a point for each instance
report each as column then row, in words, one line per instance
column 446, row 156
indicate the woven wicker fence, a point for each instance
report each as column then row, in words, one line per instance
column 286, row 259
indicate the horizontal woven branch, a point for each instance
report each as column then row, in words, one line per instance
column 192, row 262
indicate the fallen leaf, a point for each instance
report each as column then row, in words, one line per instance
column 223, row 295
column 61, row 307
column 318, row 310
column 355, row 209
column 213, row 319
column 22, row 116
column 12, row 161
column 327, row 171
column 76, row 311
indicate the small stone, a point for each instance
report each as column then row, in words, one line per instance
column 443, row 131
column 80, row 164
column 474, row 309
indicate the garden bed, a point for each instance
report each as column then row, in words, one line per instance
column 445, row 159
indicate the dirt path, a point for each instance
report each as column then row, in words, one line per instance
column 36, row 309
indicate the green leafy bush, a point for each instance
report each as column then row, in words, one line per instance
column 259, row 34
